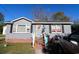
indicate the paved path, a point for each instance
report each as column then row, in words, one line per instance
column 38, row 49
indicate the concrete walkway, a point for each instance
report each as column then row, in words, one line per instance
column 38, row 49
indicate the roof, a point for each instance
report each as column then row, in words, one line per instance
column 18, row 20
column 7, row 22
column 52, row 22
column 37, row 22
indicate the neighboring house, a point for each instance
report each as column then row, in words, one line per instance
column 21, row 29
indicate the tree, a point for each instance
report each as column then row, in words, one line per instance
column 75, row 27
column 1, row 19
column 59, row 16
column 1, row 22
column 39, row 14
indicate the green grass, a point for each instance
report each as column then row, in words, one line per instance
column 2, row 37
column 16, row 48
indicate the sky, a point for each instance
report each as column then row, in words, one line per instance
column 13, row 11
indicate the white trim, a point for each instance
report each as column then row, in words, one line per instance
column 16, row 28
column 56, row 32
column 52, row 22
column 21, row 32
column 20, row 18
column 4, row 30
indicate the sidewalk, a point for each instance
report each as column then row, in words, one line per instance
column 38, row 49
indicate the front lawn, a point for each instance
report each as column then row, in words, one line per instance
column 2, row 37
column 16, row 48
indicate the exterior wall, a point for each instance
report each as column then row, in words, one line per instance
column 18, row 35
column 67, row 29
column 56, row 33
column 6, row 29
column 25, row 36
column 12, row 36
column 39, row 31
column 20, row 22
column 18, row 38
column 55, row 29
column 47, row 29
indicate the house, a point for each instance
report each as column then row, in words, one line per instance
column 21, row 29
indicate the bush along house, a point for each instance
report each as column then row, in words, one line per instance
column 21, row 29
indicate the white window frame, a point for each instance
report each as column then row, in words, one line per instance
column 21, row 32
column 56, row 32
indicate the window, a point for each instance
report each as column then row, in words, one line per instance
column 21, row 28
column 56, row 28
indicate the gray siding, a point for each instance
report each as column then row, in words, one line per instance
column 21, row 22
column 7, row 31
column 47, row 29
column 19, row 36
column 14, row 34
column 67, row 29
column 39, row 32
